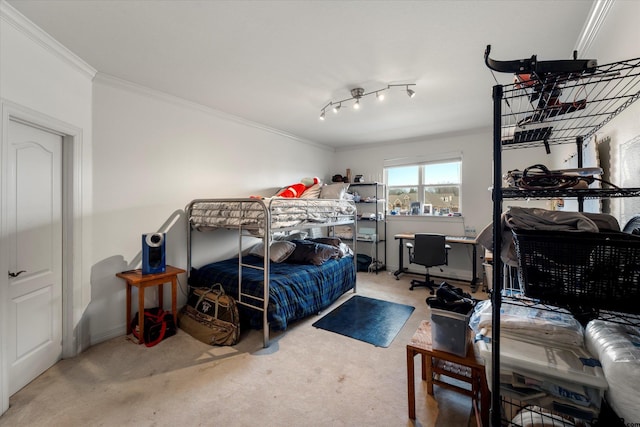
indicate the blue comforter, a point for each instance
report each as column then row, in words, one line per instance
column 296, row 290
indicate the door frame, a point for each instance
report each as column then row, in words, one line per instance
column 72, row 217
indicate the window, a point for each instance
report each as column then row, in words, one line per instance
column 424, row 189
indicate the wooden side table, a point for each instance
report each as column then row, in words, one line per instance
column 143, row 281
column 439, row 363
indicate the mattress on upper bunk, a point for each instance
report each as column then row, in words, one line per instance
column 296, row 290
column 285, row 212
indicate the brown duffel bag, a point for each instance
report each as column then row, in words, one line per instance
column 211, row 316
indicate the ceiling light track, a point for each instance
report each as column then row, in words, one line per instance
column 358, row 93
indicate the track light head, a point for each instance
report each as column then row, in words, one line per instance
column 322, row 115
column 410, row 92
column 337, row 107
column 380, row 96
column 356, row 105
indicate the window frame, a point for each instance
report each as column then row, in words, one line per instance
column 422, row 186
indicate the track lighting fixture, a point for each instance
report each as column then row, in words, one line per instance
column 358, row 93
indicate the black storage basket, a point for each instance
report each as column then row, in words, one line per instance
column 589, row 271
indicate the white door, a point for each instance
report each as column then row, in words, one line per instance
column 35, row 250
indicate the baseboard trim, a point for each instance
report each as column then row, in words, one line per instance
column 107, row 335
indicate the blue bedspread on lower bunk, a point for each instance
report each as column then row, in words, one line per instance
column 296, row 290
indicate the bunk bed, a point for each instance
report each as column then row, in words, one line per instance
column 551, row 103
column 274, row 293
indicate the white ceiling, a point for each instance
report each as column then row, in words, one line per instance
column 277, row 63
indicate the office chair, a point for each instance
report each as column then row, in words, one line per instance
column 429, row 250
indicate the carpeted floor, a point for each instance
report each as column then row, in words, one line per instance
column 306, row 377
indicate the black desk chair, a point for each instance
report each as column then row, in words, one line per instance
column 429, row 250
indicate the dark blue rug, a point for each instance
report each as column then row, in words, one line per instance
column 367, row 319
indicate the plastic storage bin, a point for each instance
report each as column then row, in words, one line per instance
column 450, row 331
column 565, row 379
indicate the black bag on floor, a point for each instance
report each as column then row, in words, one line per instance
column 158, row 325
column 211, row 316
column 451, row 298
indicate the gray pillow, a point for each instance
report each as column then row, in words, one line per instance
column 308, row 252
column 280, row 251
column 334, row 191
column 331, row 241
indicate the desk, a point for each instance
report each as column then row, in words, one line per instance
column 449, row 239
column 437, row 364
column 142, row 281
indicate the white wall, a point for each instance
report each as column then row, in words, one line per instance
column 617, row 40
column 477, row 175
column 155, row 153
column 42, row 82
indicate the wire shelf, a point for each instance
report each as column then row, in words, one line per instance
column 587, row 193
column 558, row 108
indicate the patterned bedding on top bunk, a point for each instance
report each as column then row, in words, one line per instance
column 284, row 212
column 296, row 290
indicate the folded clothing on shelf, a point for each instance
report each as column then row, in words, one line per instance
column 525, row 318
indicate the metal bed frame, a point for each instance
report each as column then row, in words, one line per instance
column 254, row 217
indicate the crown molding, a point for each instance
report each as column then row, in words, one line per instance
column 117, row 82
column 35, row 33
column 592, row 25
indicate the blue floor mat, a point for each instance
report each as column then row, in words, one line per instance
column 367, row 319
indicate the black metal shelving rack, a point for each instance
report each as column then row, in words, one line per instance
column 591, row 97
column 378, row 204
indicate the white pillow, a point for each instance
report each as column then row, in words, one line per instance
column 345, row 249
column 334, row 191
column 312, row 192
column 280, row 251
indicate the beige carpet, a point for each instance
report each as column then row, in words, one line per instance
column 306, row 377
